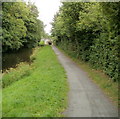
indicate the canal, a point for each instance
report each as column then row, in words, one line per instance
column 11, row 59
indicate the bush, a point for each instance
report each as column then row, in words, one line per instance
column 41, row 43
column 89, row 31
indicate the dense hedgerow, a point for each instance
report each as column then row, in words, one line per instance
column 89, row 31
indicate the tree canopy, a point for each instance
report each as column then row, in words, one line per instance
column 20, row 25
column 89, row 31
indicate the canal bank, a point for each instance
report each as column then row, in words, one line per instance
column 37, row 90
column 12, row 59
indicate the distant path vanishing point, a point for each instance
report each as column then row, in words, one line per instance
column 85, row 98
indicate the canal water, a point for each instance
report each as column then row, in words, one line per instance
column 10, row 60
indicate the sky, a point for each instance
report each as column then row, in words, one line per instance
column 47, row 9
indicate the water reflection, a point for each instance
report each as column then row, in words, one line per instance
column 10, row 60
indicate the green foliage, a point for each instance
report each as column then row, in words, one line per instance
column 20, row 26
column 41, row 43
column 41, row 90
column 90, row 31
column 101, row 79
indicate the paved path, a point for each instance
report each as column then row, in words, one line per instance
column 85, row 98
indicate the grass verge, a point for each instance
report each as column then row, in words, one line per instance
column 41, row 90
column 109, row 87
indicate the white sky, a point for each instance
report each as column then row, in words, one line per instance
column 47, row 10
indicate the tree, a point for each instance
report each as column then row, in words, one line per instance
column 89, row 31
column 21, row 28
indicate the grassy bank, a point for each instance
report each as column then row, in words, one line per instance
column 38, row 90
column 109, row 87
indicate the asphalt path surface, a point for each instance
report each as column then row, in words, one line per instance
column 85, row 99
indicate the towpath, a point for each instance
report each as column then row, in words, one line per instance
column 85, row 98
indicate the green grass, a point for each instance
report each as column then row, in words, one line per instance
column 40, row 89
column 109, row 87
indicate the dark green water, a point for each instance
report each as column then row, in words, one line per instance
column 11, row 59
